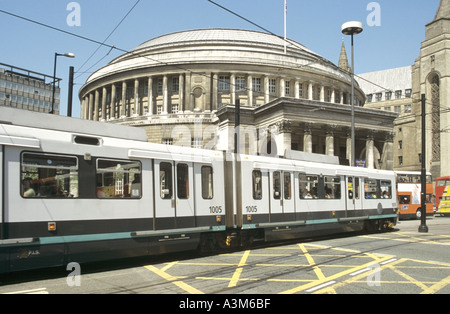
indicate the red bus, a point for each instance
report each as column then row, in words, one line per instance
column 441, row 184
column 409, row 190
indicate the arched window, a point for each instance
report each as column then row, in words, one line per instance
column 436, row 116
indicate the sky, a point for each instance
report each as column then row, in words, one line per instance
column 392, row 36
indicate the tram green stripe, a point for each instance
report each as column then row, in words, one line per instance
column 84, row 238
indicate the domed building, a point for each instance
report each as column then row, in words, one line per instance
column 185, row 89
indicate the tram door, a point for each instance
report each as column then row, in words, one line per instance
column 184, row 196
column 174, row 199
column 354, row 196
column 282, row 207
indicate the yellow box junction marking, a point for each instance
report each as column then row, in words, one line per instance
column 350, row 272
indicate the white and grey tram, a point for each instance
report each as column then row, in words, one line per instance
column 83, row 191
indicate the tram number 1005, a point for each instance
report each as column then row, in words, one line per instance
column 251, row 209
column 215, row 209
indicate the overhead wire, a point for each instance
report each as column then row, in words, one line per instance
column 318, row 59
column 104, row 41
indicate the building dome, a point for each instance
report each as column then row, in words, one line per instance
column 183, row 49
column 173, row 83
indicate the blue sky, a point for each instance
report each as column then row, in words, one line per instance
column 395, row 42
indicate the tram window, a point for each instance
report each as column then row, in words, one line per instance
column 87, row 140
column 49, row 176
column 207, row 183
column 287, row 186
column 370, row 188
column 183, row 181
column 277, row 185
column 165, row 180
column 118, row 179
column 386, row 189
column 309, row 186
column 257, row 185
column 333, row 188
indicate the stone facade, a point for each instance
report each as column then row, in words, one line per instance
column 431, row 76
column 400, row 90
column 184, row 88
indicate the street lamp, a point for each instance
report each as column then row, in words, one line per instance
column 352, row 28
column 68, row 55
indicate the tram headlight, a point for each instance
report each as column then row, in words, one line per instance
column 52, row 226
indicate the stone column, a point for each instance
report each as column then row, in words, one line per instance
column 370, row 152
column 215, row 92
column 91, row 106
column 329, row 141
column 151, row 104
column 349, row 146
column 181, row 93
column 104, row 96
column 307, row 139
column 113, row 102
column 322, row 93
column 165, row 95
column 233, row 88
column 137, row 107
column 297, row 89
column 124, row 100
column 310, row 90
column 284, row 136
column 282, row 87
column 83, row 108
column 387, row 157
column 266, row 90
column 250, row 90
column 97, row 104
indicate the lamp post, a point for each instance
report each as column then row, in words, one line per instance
column 352, row 28
column 423, row 219
column 68, row 55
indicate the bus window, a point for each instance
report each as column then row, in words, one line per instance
column 207, row 183
column 49, row 176
column 404, row 199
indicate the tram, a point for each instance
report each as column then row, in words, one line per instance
column 84, row 191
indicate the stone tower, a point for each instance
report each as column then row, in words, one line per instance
column 431, row 76
column 343, row 59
